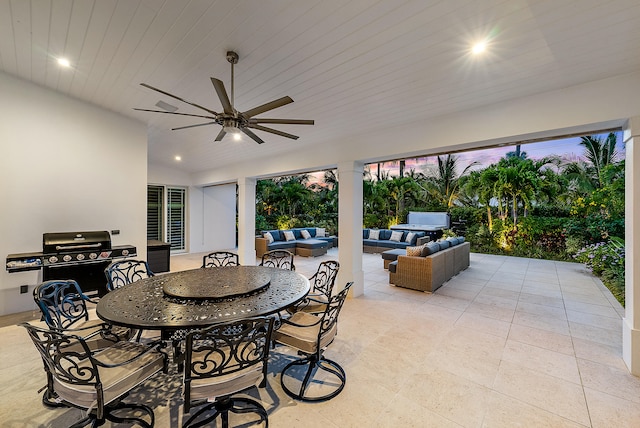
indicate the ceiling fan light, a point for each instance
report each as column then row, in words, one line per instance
column 237, row 136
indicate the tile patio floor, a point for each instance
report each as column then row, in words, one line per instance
column 508, row 342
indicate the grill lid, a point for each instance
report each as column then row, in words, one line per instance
column 73, row 241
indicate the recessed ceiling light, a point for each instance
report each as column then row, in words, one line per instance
column 479, row 47
column 237, row 136
column 63, row 62
column 178, row 158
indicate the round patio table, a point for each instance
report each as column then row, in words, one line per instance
column 182, row 301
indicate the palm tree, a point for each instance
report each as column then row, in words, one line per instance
column 520, row 180
column 599, row 153
column 482, row 184
column 401, row 190
column 444, row 186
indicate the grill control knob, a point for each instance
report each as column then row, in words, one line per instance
column 53, row 259
column 66, row 258
column 93, row 256
column 125, row 252
column 80, row 257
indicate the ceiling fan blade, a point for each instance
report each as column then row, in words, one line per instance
column 171, row 112
column 273, row 131
column 179, row 99
column 268, row 106
column 193, row 126
column 253, row 136
column 221, row 135
column 222, row 94
column 283, row 121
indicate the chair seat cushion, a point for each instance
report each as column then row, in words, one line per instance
column 227, row 384
column 115, row 380
column 303, row 338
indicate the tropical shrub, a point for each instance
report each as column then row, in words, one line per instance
column 606, row 259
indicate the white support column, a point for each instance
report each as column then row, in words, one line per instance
column 247, row 220
column 350, row 226
column 631, row 321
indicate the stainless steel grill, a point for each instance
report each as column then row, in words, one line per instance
column 81, row 256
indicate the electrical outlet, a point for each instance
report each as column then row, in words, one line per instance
column 24, row 289
column 115, row 232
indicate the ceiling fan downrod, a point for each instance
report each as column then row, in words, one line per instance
column 232, row 57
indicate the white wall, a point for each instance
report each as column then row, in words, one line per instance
column 211, row 211
column 212, row 218
column 65, row 165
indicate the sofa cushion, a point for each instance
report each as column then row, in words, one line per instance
column 415, row 251
column 268, row 236
column 385, row 234
column 452, row 241
column 312, row 243
column 444, row 244
column 460, row 239
column 374, row 235
column 430, row 248
column 390, row 244
column 305, row 234
column 410, row 238
column 396, row 236
column 277, row 236
column 289, row 236
column 320, row 232
column 393, row 254
column 282, row 245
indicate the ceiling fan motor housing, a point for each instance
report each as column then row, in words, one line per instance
column 232, row 57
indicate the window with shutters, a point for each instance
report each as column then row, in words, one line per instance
column 155, row 195
column 176, row 217
column 166, row 215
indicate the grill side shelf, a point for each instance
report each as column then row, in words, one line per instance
column 21, row 262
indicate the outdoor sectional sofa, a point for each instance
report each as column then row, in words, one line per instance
column 310, row 247
column 438, row 263
column 384, row 241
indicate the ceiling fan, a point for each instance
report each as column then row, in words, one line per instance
column 231, row 120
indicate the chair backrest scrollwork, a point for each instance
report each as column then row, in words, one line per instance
column 220, row 259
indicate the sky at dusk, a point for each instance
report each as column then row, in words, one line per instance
column 568, row 149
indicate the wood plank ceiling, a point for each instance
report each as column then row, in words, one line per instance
column 353, row 66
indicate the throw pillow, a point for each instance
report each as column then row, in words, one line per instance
column 415, row 251
column 409, row 237
column 396, row 236
column 268, row 237
column 305, row 234
column 374, row 234
column 320, row 232
column 289, row 236
column 430, row 248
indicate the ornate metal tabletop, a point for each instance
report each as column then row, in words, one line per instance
column 144, row 303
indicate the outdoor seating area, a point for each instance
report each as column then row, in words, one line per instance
column 306, row 242
column 379, row 240
column 509, row 340
column 436, row 263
